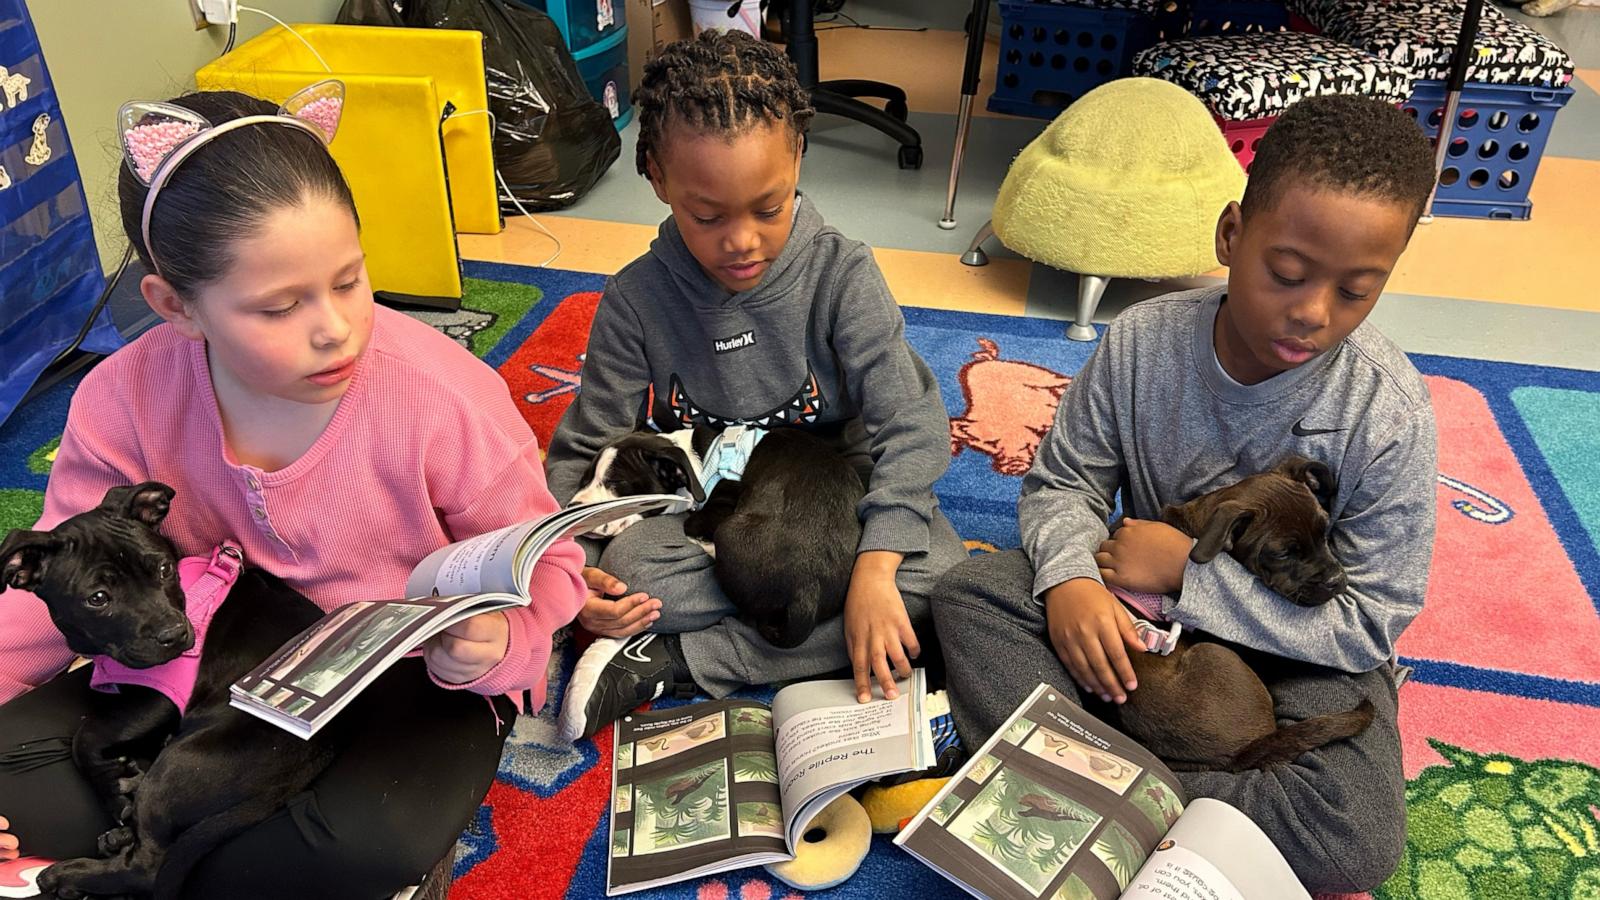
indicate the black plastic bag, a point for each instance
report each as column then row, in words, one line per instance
column 552, row 140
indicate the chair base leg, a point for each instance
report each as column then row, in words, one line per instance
column 975, row 255
column 830, row 101
column 1090, row 289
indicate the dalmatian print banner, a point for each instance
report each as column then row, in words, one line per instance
column 1255, row 76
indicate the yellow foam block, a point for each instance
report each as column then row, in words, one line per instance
column 397, row 81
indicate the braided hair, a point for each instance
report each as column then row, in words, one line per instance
column 720, row 82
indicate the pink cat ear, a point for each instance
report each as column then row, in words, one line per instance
column 151, row 131
column 321, row 104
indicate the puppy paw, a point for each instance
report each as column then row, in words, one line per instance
column 114, row 841
column 51, row 884
column 127, row 786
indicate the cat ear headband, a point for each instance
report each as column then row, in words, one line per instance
column 158, row 137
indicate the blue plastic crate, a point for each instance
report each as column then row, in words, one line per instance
column 584, row 23
column 1495, row 146
column 604, row 69
column 1214, row 17
column 1050, row 55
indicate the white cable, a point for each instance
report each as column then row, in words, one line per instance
column 536, row 223
column 494, row 126
column 285, row 25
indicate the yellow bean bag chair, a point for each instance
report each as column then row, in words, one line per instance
column 1127, row 182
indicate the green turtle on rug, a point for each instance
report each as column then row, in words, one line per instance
column 1492, row 825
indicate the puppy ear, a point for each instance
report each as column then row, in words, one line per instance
column 673, row 467
column 1314, row 475
column 1319, row 478
column 1227, row 524
column 23, row 557
column 148, row 502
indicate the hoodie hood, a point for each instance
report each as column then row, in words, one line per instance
column 703, row 290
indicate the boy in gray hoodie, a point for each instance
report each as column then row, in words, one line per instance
column 1193, row 391
column 748, row 309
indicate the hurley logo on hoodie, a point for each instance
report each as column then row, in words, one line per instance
column 736, row 342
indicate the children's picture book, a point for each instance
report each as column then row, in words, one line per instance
column 727, row 784
column 1058, row 805
column 305, row 684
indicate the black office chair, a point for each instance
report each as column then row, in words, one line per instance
column 838, row 98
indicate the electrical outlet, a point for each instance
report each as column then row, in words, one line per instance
column 213, row 12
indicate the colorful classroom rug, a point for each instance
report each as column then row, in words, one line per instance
column 1498, row 726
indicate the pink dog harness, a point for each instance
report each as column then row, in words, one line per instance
column 206, row 583
column 1149, row 606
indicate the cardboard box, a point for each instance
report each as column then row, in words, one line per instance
column 652, row 25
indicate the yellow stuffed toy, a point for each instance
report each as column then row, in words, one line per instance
column 891, row 808
column 832, row 848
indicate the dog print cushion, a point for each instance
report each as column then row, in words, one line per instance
column 1423, row 40
column 1323, row 13
column 1148, row 7
column 1254, row 76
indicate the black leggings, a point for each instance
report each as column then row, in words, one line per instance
column 377, row 820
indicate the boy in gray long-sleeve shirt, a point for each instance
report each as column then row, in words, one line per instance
column 748, row 310
column 1194, row 391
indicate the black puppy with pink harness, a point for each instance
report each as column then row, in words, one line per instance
column 206, row 583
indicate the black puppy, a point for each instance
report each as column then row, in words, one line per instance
column 178, row 784
column 1204, row 706
column 783, row 536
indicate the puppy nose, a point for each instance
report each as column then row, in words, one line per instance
column 173, row 636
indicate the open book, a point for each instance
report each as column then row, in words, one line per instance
column 323, row 668
column 722, row 785
column 1058, row 805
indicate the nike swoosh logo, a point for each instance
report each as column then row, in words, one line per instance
column 1300, row 430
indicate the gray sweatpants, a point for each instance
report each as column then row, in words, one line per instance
column 724, row 653
column 1337, row 813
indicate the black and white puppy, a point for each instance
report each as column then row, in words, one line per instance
column 784, row 535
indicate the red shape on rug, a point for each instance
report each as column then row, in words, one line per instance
column 1502, row 594
column 1493, row 723
column 541, row 840
column 543, row 372
column 1010, row 405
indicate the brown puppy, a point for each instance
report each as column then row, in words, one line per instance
column 1202, row 707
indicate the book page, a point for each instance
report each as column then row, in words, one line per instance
column 483, row 563
column 827, row 742
column 323, row 668
column 694, row 791
column 1055, row 805
column 1214, row 852
column 503, row 559
column 581, row 518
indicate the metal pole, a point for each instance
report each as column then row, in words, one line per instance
column 977, row 37
column 1466, row 48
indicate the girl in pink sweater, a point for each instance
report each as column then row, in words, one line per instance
column 338, row 443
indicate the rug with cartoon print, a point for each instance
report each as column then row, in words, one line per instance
column 1498, row 724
